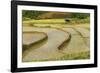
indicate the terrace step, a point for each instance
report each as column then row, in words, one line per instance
column 83, row 31
column 31, row 38
column 50, row 49
column 76, row 44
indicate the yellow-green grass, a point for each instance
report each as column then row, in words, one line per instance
column 85, row 25
column 75, row 56
column 72, row 56
column 45, row 21
column 55, row 21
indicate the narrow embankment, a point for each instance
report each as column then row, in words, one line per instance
column 50, row 48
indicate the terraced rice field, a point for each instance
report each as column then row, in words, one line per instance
column 45, row 44
column 31, row 38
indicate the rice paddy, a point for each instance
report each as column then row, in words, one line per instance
column 55, row 41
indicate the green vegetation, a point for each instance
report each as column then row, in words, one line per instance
column 75, row 56
column 26, row 14
column 30, row 18
column 31, row 14
column 80, row 15
column 44, row 17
